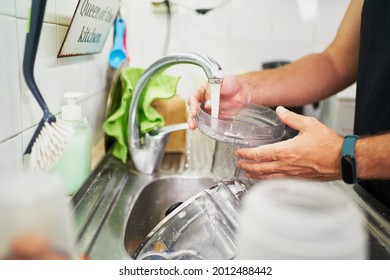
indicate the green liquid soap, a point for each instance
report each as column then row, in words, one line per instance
column 74, row 166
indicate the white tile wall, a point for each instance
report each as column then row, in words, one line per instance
column 330, row 15
column 23, row 6
column 141, row 20
column 11, row 153
column 240, row 35
column 252, row 19
column 93, row 75
column 64, row 11
column 89, row 106
column 244, row 32
column 8, row 8
column 19, row 111
column 10, row 114
column 68, row 67
column 213, row 25
column 289, row 26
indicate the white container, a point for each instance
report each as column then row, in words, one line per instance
column 75, row 163
column 35, row 217
column 295, row 219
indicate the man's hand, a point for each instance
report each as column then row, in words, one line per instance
column 314, row 153
column 232, row 98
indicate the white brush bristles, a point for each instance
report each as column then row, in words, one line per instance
column 50, row 144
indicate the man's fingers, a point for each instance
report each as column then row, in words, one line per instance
column 263, row 153
column 260, row 168
column 192, row 124
column 193, row 105
column 269, row 176
column 198, row 97
column 293, row 120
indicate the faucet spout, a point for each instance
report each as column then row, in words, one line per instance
column 147, row 151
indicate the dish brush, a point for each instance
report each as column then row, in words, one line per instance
column 49, row 140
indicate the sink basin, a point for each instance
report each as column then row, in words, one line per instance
column 117, row 207
column 153, row 202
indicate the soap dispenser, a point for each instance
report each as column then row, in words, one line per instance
column 75, row 164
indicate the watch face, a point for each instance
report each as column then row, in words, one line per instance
column 348, row 169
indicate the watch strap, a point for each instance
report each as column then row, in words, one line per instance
column 348, row 160
column 349, row 145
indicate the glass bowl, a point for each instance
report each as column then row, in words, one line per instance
column 253, row 126
column 203, row 227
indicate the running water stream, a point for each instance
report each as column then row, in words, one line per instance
column 215, row 90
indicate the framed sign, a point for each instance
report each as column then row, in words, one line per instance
column 89, row 28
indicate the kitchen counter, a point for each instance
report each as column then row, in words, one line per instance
column 378, row 221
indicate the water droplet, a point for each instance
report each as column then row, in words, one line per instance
column 182, row 214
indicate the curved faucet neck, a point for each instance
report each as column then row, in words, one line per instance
column 211, row 68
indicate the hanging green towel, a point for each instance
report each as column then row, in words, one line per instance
column 116, row 125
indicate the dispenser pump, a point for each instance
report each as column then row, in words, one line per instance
column 71, row 111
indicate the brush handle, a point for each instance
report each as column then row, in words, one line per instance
column 31, row 47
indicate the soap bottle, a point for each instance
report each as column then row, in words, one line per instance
column 75, row 163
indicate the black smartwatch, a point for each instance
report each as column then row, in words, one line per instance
column 348, row 160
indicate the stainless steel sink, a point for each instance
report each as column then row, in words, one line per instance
column 153, row 202
column 117, row 207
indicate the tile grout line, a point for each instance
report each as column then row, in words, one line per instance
column 12, row 137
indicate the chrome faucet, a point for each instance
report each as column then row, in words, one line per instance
column 147, row 151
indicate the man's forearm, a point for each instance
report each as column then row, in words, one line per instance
column 373, row 157
column 308, row 80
